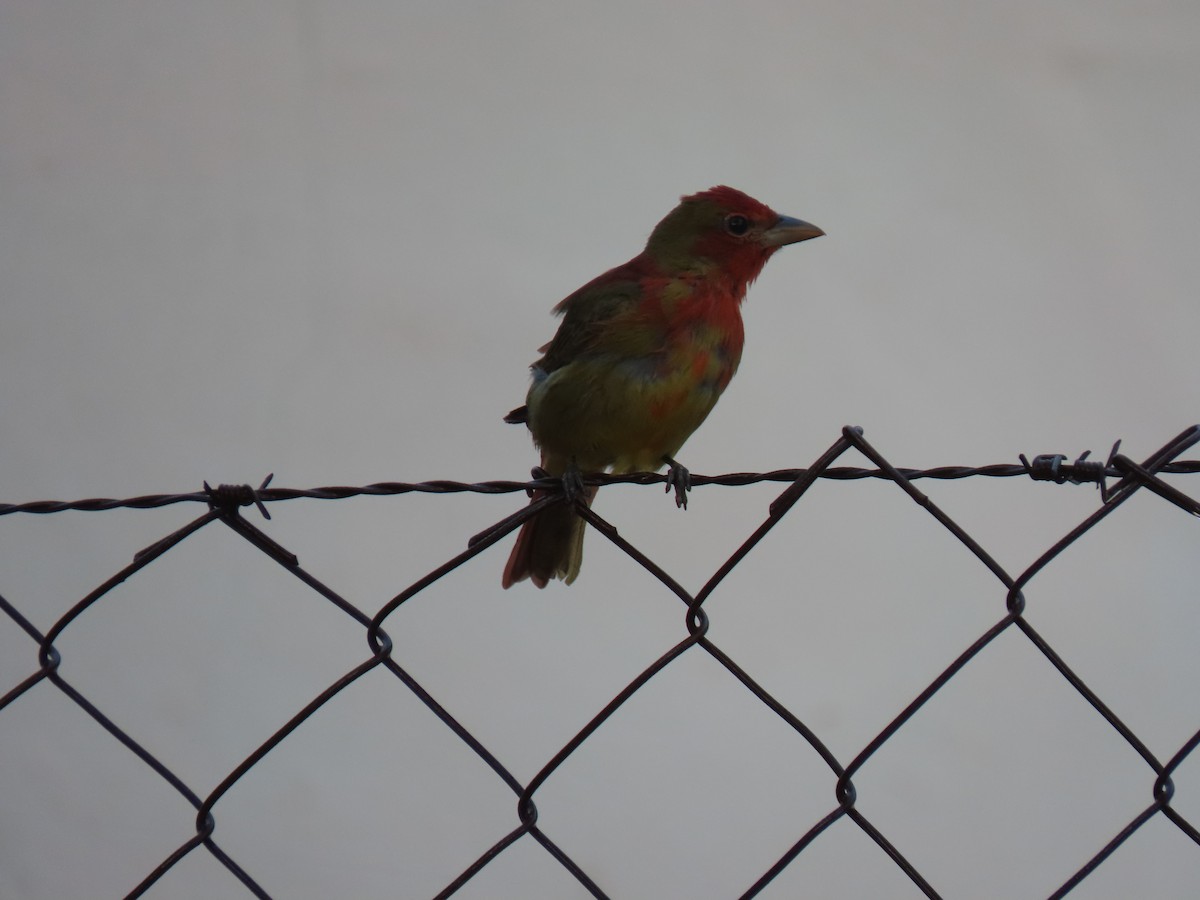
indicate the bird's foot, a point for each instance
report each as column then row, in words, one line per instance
column 572, row 482
column 679, row 478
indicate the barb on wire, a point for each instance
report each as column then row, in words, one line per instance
column 1054, row 467
column 230, row 497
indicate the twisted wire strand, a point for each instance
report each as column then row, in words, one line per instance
column 444, row 486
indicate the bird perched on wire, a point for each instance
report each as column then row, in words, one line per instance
column 639, row 360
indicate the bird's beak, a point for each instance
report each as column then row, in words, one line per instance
column 789, row 231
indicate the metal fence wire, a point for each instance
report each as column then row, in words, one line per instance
column 1118, row 478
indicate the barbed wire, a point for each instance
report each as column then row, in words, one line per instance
column 1118, row 478
column 1048, row 467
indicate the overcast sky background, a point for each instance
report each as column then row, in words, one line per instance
column 323, row 240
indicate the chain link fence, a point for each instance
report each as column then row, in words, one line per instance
column 1118, row 478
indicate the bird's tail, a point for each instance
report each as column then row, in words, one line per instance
column 550, row 545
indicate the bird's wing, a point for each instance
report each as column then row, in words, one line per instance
column 593, row 317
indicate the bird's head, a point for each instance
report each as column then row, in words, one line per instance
column 723, row 230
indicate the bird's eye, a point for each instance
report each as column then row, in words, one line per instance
column 737, row 224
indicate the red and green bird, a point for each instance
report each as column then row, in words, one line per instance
column 640, row 358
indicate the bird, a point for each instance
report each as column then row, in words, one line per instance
column 639, row 359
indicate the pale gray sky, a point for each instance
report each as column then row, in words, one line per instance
column 323, row 240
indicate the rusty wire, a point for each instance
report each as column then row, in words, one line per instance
column 1118, row 478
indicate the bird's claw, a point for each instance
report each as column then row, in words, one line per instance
column 679, row 478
